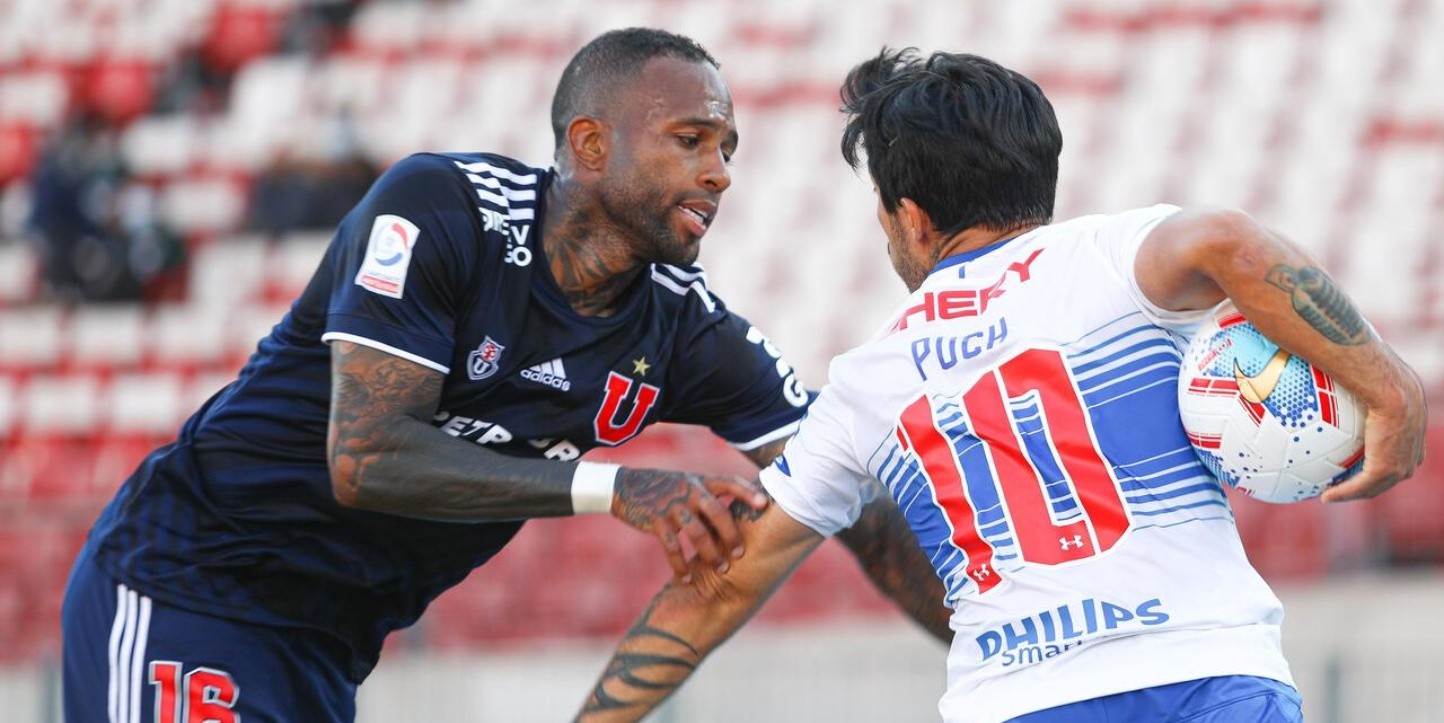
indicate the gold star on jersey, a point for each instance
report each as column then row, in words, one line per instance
column 640, row 366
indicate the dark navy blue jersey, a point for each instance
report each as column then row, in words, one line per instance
column 440, row 264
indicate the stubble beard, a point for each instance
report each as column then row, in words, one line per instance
column 644, row 217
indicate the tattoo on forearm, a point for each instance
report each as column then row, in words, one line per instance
column 386, row 453
column 638, row 671
column 1321, row 303
column 887, row 550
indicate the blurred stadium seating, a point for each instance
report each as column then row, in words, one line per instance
column 1323, row 117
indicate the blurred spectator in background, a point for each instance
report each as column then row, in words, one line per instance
column 99, row 236
column 313, row 182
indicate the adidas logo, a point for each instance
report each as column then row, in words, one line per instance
column 551, row 373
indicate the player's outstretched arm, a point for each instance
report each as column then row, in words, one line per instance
column 888, row 552
column 1195, row 258
column 687, row 621
column 386, row 456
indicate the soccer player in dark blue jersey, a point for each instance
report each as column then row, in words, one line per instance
column 476, row 326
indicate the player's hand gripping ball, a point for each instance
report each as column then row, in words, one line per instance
column 1262, row 420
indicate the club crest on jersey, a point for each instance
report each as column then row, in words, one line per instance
column 610, row 426
column 388, row 256
column 484, row 360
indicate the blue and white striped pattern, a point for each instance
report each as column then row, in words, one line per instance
column 1127, row 372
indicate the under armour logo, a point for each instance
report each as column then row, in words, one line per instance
column 1065, row 543
column 982, row 572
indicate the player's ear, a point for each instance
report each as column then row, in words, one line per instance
column 916, row 222
column 588, row 140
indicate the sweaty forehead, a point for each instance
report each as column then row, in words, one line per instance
column 672, row 88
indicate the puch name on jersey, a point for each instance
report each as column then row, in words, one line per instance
column 1054, row 631
column 945, row 351
column 960, row 303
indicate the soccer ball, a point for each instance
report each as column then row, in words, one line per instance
column 1262, row 420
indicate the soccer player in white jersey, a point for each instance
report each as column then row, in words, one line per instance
column 1019, row 405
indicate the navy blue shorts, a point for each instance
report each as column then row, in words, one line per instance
column 1225, row 699
column 130, row 659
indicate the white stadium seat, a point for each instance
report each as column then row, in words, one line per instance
column 144, row 403
column 228, row 271
column 9, row 406
column 186, row 334
column 203, row 205
column 293, row 261
column 18, row 269
column 38, row 98
column 102, row 336
column 161, row 144
column 61, row 404
column 30, row 337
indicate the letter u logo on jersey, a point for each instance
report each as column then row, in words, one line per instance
column 608, row 431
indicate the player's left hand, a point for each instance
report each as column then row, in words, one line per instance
column 1393, row 442
column 670, row 505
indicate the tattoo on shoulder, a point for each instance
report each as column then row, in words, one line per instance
column 368, row 387
column 1320, row 302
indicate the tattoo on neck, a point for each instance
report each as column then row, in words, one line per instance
column 591, row 268
column 1320, row 302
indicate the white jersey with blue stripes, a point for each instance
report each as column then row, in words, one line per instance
column 1021, row 408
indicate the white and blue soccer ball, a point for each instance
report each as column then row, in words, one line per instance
column 1263, row 421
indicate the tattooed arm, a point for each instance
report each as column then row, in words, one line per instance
column 888, row 552
column 386, row 456
column 686, row 622
column 1195, row 258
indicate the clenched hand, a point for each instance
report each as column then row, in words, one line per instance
column 671, row 505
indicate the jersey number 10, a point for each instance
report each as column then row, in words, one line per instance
column 1065, row 426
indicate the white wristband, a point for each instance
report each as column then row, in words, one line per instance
column 592, row 487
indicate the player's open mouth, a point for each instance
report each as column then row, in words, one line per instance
column 698, row 215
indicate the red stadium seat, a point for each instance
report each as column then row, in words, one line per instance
column 51, row 475
column 18, row 150
column 239, row 34
column 119, row 89
column 1410, row 513
column 36, row 554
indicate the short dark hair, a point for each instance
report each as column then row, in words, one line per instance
column 607, row 62
column 971, row 142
